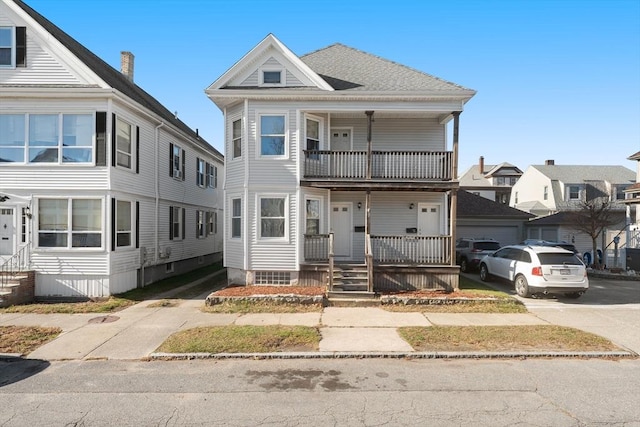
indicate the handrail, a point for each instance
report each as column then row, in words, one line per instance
column 331, row 255
column 20, row 261
column 369, row 260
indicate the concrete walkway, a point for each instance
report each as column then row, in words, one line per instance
column 136, row 332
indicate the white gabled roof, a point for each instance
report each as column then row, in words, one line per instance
column 262, row 49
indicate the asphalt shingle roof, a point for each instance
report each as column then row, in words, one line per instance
column 346, row 68
column 471, row 205
column 583, row 173
column 113, row 77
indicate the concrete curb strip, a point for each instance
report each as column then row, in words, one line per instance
column 397, row 355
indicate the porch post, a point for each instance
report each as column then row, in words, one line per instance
column 454, row 193
column 369, row 159
column 454, row 161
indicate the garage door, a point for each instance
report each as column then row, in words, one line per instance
column 505, row 235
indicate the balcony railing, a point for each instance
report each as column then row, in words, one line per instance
column 412, row 249
column 385, row 165
column 432, row 250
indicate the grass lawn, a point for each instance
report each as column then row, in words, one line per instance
column 25, row 339
column 243, row 339
column 503, row 338
column 126, row 299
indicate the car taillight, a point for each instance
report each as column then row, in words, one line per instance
column 536, row 271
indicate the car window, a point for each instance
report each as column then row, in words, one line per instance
column 525, row 256
column 462, row 244
column 558, row 258
column 567, row 247
column 487, row 246
column 502, row 253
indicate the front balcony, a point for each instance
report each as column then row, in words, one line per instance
column 383, row 169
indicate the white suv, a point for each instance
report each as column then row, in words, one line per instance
column 537, row 269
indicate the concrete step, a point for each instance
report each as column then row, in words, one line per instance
column 336, row 293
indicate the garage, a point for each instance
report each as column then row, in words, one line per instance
column 505, row 235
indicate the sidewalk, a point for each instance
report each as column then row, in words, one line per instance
column 136, row 332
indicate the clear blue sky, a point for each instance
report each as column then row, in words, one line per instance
column 556, row 79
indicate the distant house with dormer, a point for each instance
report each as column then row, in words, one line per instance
column 493, row 182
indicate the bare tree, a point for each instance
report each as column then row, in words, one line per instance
column 592, row 218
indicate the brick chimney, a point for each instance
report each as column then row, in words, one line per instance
column 481, row 164
column 549, row 162
column 126, row 64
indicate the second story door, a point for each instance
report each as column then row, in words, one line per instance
column 340, row 139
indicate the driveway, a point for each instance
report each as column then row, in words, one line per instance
column 611, row 308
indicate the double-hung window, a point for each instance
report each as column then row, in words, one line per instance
column 272, row 217
column 574, row 192
column 313, row 137
column 70, row 223
column 13, row 47
column 200, row 172
column 124, row 143
column 212, row 222
column 177, row 162
column 272, row 135
column 123, row 223
column 201, row 230
column 236, row 139
column 212, row 176
column 545, row 193
column 236, row 218
column 176, row 223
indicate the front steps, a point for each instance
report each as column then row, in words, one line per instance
column 350, row 287
column 18, row 289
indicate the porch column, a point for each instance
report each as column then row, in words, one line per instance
column 369, row 159
column 454, row 160
column 454, row 193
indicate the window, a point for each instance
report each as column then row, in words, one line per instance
column 212, row 176
column 313, row 216
column 272, row 77
column 272, row 278
column 500, row 180
column 545, row 194
column 272, row 217
column 46, row 138
column 513, row 180
column 272, row 135
column 574, row 192
column 65, row 223
column 13, row 46
column 212, row 223
column 236, row 140
column 200, row 225
column 123, row 143
column 177, row 162
column 200, row 172
column 619, row 191
column 176, row 222
column 313, row 138
column 236, row 218
column 123, row 223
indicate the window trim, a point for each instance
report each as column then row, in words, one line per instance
column 176, row 212
column 69, row 232
column 201, row 172
column 235, row 138
column 235, row 217
column 201, row 224
column 211, row 178
column 178, row 173
column 569, row 187
column 12, row 47
column 545, row 192
column 281, row 70
column 285, row 198
column 259, row 135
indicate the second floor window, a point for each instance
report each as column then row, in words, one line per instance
column 46, row 138
column 545, row 193
column 313, row 216
column 237, row 138
column 13, row 46
column 272, row 135
column 177, row 162
column 200, row 172
column 123, row 143
column 212, row 176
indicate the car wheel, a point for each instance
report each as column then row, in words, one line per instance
column 484, row 273
column 522, row 286
column 464, row 266
column 573, row 295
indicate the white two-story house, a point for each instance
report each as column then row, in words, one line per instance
column 493, row 182
column 102, row 188
column 339, row 167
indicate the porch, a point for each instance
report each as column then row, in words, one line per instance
column 390, row 263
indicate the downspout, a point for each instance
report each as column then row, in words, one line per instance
column 156, row 249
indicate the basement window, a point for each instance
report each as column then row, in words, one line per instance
column 272, row 278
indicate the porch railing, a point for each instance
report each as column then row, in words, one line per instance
column 435, row 250
column 368, row 256
column 20, row 261
column 385, row 165
column 412, row 249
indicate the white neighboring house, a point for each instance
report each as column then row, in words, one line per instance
column 550, row 190
column 337, row 165
column 632, row 202
column 493, row 182
column 101, row 187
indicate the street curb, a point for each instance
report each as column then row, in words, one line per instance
column 10, row 356
column 398, row 355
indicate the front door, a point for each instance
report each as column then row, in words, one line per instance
column 6, row 231
column 428, row 219
column 341, row 226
